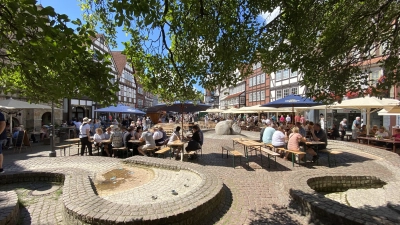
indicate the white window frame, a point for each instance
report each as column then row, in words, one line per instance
column 250, row 97
column 285, row 92
column 262, row 95
column 262, row 78
column 285, row 74
column 250, row 82
column 295, row 92
column 293, row 74
column 278, row 75
column 259, row 79
column 278, row 94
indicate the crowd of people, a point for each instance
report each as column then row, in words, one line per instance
column 117, row 135
column 293, row 136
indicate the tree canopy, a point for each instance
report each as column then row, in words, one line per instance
column 42, row 59
column 175, row 44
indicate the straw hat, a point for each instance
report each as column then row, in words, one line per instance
column 86, row 120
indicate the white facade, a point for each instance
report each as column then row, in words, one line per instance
column 226, row 100
column 127, row 87
column 285, row 82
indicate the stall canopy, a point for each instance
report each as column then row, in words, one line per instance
column 370, row 104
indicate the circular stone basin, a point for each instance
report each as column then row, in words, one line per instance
column 121, row 179
column 133, row 185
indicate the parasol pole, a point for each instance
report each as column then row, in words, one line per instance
column 11, row 129
column 182, row 122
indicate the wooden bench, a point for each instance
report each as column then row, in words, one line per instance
column 64, row 147
column 235, row 153
column 151, row 150
column 269, row 153
column 331, row 152
column 227, row 149
column 163, row 151
column 294, row 153
column 123, row 149
column 270, row 146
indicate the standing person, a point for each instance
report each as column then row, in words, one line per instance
column 343, row 128
column 282, row 119
column 322, row 121
column 206, row 121
column 288, row 119
column 297, row 118
column 354, row 129
column 84, row 134
column 3, row 139
column 302, row 120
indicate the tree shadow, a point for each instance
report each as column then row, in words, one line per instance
column 220, row 210
column 276, row 216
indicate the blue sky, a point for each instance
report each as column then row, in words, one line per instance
column 73, row 10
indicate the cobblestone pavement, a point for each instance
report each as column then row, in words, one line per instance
column 254, row 194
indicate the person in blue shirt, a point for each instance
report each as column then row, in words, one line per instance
column 268, row 132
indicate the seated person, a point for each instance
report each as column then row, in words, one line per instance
column 334, row 132
column 279, row 138
column 116, row 137
column 373, row 130
column 395, row 137
column 15, row 135
column 294, row 144
column 268, row 132
column 107, row 134
column 150, row 143
column 165, row 137
column 138, row 133
column 175, row 135
column 44, row 133
column 98, row 139
column 382, row 133
column 158, row 137
column 196, row 142
column 363, row 131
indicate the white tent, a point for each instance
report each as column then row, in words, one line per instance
column 11, row 106
column 390, row 111
column 370, row 104
column 214, row 110
column 232, row 110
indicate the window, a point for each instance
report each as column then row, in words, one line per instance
column 254, row 96
column 262, row 78
column 254, row 81
column 250, row 82
column 250, row 97
column 242, row 100
column 278, row 94
column 262, row 95
column 295, row 91
column 279, row 75
column 286, row 74
column 285, row 92
column 258, row 95
column 293, row 74
column 375, row 77
column 259, row 79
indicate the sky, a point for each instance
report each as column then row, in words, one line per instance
column 72, row 9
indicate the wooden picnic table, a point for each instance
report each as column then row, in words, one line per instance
column 178, row 144
column 253, row 145
column 386, row 140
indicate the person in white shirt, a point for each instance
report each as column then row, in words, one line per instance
column 279, row 138
column 84, row 135
column 98, row 139
column 382, row 133
column 150, row 143
column 288, row 119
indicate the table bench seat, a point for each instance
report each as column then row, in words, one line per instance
column 298, row 153
column 123, row 149
column 227, row 149
column 270, row 153
column 64, row 147
column 163, row 151
column 331, row 152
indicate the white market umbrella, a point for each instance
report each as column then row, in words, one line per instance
column 367, row 103
column 231, row 110
column 214, row 110
column 390, row 111
column 11, row 106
